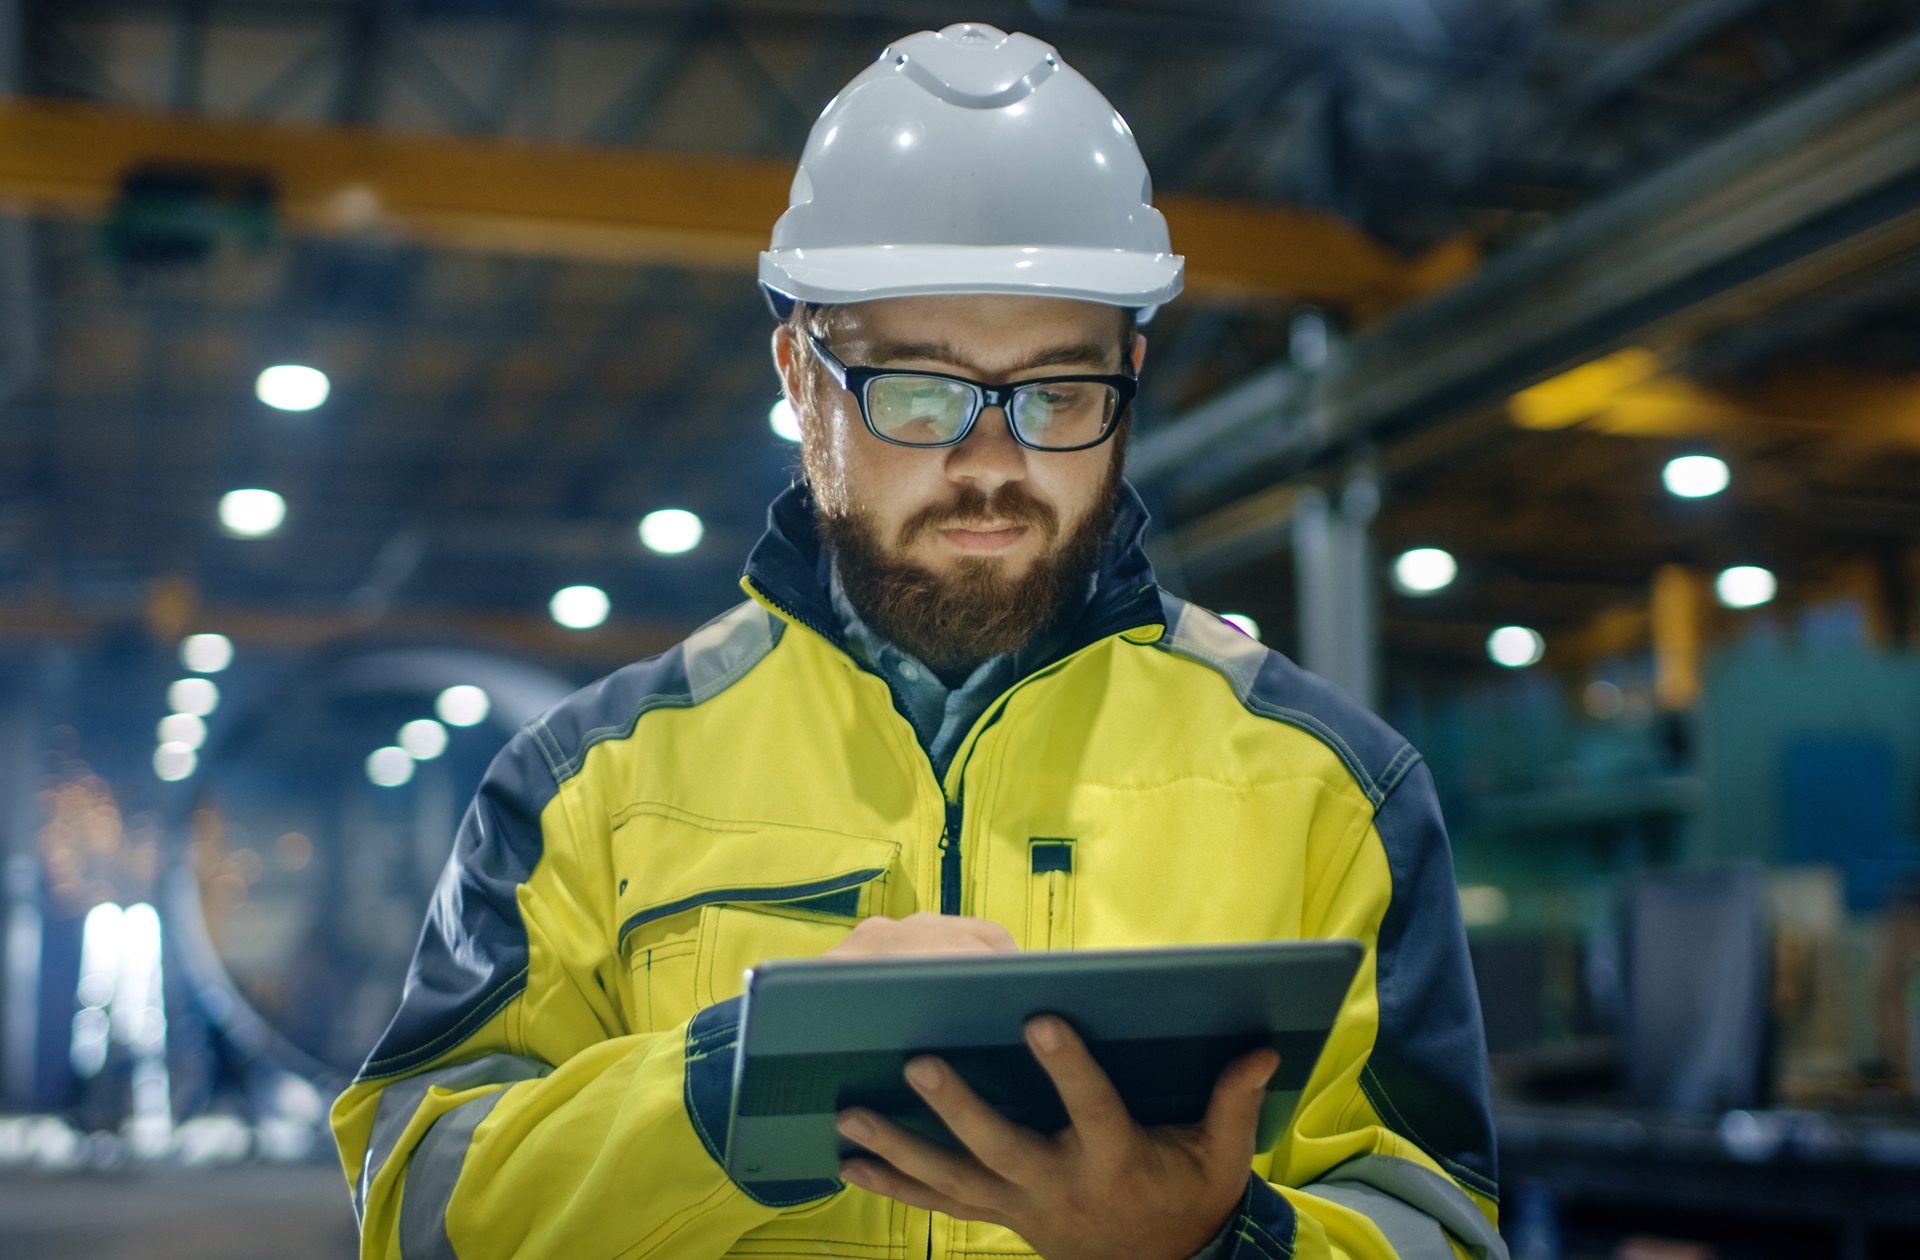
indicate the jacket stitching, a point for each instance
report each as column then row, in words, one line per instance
column 550, row 750
column 600, row 734
column 504, row 992
column 1174, row 641
column 718, row 1197
column 1352, row 842
column 707, row 691
column 1251, row 1231
column 1402, row 764
column 1314, row 726
column 749, row 893
column 1292, row 717
column 1377, row 1093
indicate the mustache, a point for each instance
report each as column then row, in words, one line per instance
column 1011, row 503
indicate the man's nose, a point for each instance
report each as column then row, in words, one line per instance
column 988, row 456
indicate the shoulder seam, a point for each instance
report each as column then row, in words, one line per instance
column 565, row 767
column 1375, row 790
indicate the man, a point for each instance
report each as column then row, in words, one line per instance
column 956, row 714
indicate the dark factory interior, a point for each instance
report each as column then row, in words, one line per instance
column 375, row 373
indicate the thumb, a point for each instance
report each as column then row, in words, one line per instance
column 1233, row 1114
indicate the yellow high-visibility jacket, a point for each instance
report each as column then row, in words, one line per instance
column 557, row 1080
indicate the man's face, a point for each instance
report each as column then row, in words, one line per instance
column 959, row 553
column 987, row 505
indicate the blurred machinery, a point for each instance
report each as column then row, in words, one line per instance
column 311, row 859
column 284, row 883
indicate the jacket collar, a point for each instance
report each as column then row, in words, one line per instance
column 789, row 568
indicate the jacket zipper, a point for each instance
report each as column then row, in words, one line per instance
column 950, row 861
column 950, row 874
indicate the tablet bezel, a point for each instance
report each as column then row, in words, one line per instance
column 1282, row 993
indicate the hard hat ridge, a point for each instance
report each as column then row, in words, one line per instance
column 971, row 81
column 970, row 161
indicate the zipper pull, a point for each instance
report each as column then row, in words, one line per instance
column 950, row 861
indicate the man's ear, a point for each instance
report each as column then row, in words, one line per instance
column 783, row 362
column 1139, row 351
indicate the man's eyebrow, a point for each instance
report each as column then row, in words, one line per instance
column 934, row 352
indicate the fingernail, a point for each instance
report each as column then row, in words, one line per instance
column 855, row 1173
column 855, row 1125
column 924, row 1073
column 1045, row 1034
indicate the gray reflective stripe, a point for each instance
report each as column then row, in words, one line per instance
column 1387, row 1189
column 401, row 1099
column 720, row 652
column 1412, row 1233
column 1192, row 631
column 432, row 1173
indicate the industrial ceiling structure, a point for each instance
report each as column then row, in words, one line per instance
column 1465, row 273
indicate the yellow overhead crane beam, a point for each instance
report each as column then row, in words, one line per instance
column 612, row 204
column 1633, row 392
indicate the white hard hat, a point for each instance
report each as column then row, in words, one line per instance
column 970, row 161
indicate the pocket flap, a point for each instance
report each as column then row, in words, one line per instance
column 670, row 862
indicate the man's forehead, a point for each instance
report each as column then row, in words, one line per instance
column 982, row 330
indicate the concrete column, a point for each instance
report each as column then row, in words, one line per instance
column 1333, row 568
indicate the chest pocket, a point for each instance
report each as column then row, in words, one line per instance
column 703, row 899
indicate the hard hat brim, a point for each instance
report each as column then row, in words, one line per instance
column 866, row 273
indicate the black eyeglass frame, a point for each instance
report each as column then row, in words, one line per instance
column 855, row 381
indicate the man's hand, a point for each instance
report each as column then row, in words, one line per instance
column 1103, row 1189
column 923, row 933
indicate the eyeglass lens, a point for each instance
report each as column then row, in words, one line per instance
column 929, row 411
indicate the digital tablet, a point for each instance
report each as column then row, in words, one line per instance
column 820, row 1035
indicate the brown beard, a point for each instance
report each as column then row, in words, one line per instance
column 952, row 622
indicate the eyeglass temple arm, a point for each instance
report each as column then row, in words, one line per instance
column 836, row 369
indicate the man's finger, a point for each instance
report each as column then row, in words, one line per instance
column 1092, row 1103
column 888, row 1181
column 1233, row 1113
column 1000, row 1145
column 956, row 1175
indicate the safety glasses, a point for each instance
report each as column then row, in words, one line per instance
column 932, row 409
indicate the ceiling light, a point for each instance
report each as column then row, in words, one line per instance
column 463, row 705
column 423, row 738
column 1745, row 586
column 174, row 762
column 671, row 531
column 1482, row 905
column 182, row 728
column 1308, row 339
column 197, row 696
column 206, row 653
column 1244, row 624
column 291, row 387
column 1695, row 476
column 251, row 513
column 1423, row 571
column 579, row 607
column 389, row 766
column 783, row 420
column 1516, row 647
